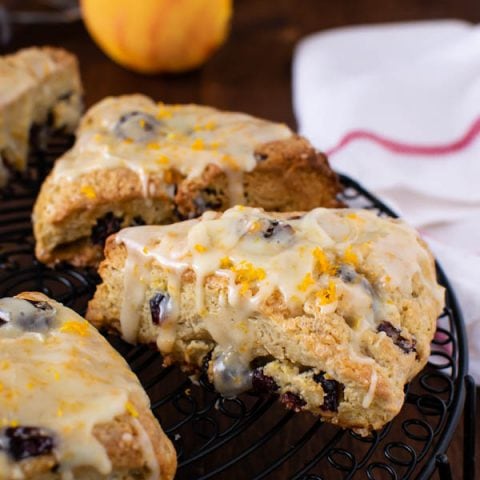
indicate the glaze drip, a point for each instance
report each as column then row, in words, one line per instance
column 326, row 262
column 145, row 137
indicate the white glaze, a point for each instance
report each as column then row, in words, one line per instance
column 231, row 245
column 67, row 380
column 189, row 138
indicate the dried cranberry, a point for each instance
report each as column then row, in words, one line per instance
column 276, row 228
column 137, row 221
column 25, row 442
column 104, row 227
column 292, row 401
column 260, row 157
column 394, row 333
column 347, row 273
column 65, row 96
column 207, row 199
column 27, row 315
column 332, row 392
column 137, row 126
column 159, row 307
column 262, row 383
column 269, row 232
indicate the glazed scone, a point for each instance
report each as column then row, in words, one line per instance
column 70, row 408
column 333, row 309
column 139, row 162
column 38, row 87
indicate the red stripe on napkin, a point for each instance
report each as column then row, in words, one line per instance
column 409, row 148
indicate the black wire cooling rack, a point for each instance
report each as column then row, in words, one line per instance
column 252, row 437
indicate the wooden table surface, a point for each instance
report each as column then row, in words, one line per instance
column 252, row 71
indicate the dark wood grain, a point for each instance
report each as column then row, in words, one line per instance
column 252, row 71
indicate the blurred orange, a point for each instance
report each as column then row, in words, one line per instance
column 151, row 36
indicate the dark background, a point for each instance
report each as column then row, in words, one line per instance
column 252, row 71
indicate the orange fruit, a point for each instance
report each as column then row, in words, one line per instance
column 151, row 36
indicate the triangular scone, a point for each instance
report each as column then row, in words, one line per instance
column 334, row 309
column 138, row 162
column 38, row 87
column 69, row 405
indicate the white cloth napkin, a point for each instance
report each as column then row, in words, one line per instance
column 397, row 107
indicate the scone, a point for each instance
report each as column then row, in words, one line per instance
column 139, row 162
column 334, row 309
column 38, row 87
column 70, row 408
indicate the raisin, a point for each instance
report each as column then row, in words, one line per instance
column 137, row 221
column 292, row 401
column 159, row 304
column 276, row 228
column 332, row 392
column 206, row 200
column 26, row 442
column 394, row 333
column 262, row 383
column 104, row 227
column 27, row 315
column 347, row 273
column 137, row 126
column 41, row 305
column 65, row 96
column 270, row 229
column 260, row 157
